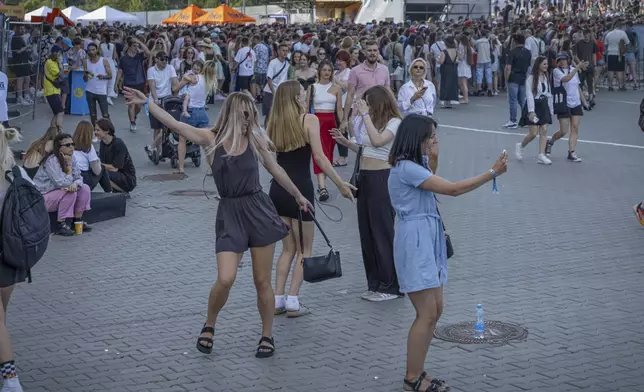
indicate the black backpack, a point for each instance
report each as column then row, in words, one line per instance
column 641, row 120
column 24, row 223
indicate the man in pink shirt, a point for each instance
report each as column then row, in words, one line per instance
column 363, row 77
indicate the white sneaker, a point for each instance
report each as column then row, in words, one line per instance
column 367, row 295
column 380, row 297
column 24, row 102
column 543, row 159
column 109, row 101
column 11, row 385
column 510, row 124
column 455, row 102
column 518, row 151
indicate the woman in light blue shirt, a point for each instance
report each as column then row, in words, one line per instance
column 419, row 241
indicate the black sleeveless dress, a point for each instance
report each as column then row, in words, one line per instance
column 246, row 217
column 297, row 164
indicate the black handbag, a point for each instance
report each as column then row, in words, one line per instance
column 320, row 268
column 355, row 176
column 448, row 240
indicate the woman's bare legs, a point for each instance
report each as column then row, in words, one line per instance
column 429, row 307
column 297, row 278
column 284, row 261
column 6, row 350
column 574, row 132
column 462, row 84
column 227, row 264
column 182, row 153
column 262, row 269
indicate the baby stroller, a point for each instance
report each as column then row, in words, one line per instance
column 170, row 140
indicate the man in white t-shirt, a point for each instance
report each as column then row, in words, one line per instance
column 162, row 82
column 614, row 57
column 244, row 66
column 276, row 74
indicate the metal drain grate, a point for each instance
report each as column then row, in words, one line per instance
column 165, row 177
column 193, row 193
column 496, row 332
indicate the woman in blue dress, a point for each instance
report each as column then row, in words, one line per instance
column 419, row 241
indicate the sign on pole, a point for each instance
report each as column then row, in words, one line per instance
column 15, row 11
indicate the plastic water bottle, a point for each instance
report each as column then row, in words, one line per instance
column 479, row 326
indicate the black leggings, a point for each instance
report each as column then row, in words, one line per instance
column 92, row 100
column 92, row 180
column 376, row 225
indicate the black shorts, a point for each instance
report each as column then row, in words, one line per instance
column 139, row 87
column 154, row 123
column 577, row 111
column 55, row 103
column 260, row 79
column 616, row 64
column 243, row 83
column 20, row 69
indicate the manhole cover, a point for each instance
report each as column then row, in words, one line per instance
column 496, row 332
column 165, row 177
column 193, row 192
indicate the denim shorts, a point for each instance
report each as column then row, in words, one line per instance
column 630, row 57
column 198, row 118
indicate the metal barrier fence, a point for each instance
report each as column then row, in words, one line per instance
column 21, row 50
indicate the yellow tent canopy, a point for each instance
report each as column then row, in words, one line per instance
column 223, row 15
column 186, row 16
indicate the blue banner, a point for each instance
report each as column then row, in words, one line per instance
column 77, row 95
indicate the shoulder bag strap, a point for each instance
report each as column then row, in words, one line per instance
column 299, row 221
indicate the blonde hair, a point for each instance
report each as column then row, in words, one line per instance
column 417, row 60
column 209, row 72
column 238, row 119
column 7, row 160
column 284, row 127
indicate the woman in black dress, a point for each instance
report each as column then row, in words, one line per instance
column 246, row 217
column 449, row 73
column 296, row 135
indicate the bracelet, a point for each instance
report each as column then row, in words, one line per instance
column 493, row 173
column 364, row 115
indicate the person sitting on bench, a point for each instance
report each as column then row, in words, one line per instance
column 60, row 181
column 38, row 150
column 88, row 163
column 115, row 157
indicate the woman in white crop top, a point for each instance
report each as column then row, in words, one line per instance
column 325, row 101
column 381, row 117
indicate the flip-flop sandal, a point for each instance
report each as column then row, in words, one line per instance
column 338, row 164
column 302, row 311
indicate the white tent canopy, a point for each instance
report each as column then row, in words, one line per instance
column 42, row 11
column 74, row 13
column 109, row 15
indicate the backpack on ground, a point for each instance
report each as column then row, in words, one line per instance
column 24, row 223
column 641, row 120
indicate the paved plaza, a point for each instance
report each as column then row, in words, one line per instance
column 557, row 251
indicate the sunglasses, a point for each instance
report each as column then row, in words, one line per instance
column 418, row 67
column 67, row 145
column 162, row 59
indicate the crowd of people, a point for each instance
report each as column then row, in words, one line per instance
column 372, row 89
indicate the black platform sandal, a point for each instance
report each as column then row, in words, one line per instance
column 435, row 384
column 202, row 339
column 265, row 351
column 324, row 194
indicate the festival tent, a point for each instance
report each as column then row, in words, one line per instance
column 74, row 13
column 42, row 12
column 109, row 15
column 225, row 14
column 186, row 16
column 55, row 17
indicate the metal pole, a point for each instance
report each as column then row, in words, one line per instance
column 4, row 43
column 33, row 108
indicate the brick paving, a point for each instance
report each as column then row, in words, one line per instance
column 557, row 251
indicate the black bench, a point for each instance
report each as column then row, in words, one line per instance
column 105, row 206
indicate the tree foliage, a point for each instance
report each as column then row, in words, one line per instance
column 31, row 5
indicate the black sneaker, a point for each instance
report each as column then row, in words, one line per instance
column 623, row 88
column 572, row 157
column 611, row 89
column 65, row 230
column 549, row 147
column 489, row 93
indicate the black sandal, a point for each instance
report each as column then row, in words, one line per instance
column 324, row 194
column 435, row 385
column 202, row 339
column 265, row 351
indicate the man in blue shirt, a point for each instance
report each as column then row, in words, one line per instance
column 131, row 74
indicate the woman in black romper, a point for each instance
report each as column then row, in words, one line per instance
column 246, row 217
column 296, row 136
column 449, row 73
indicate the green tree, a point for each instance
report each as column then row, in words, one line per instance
column 31, row 5
column 153, row 5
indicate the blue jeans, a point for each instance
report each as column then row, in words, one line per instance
column 516, row 96
column 484, row 68
column 198, row 118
